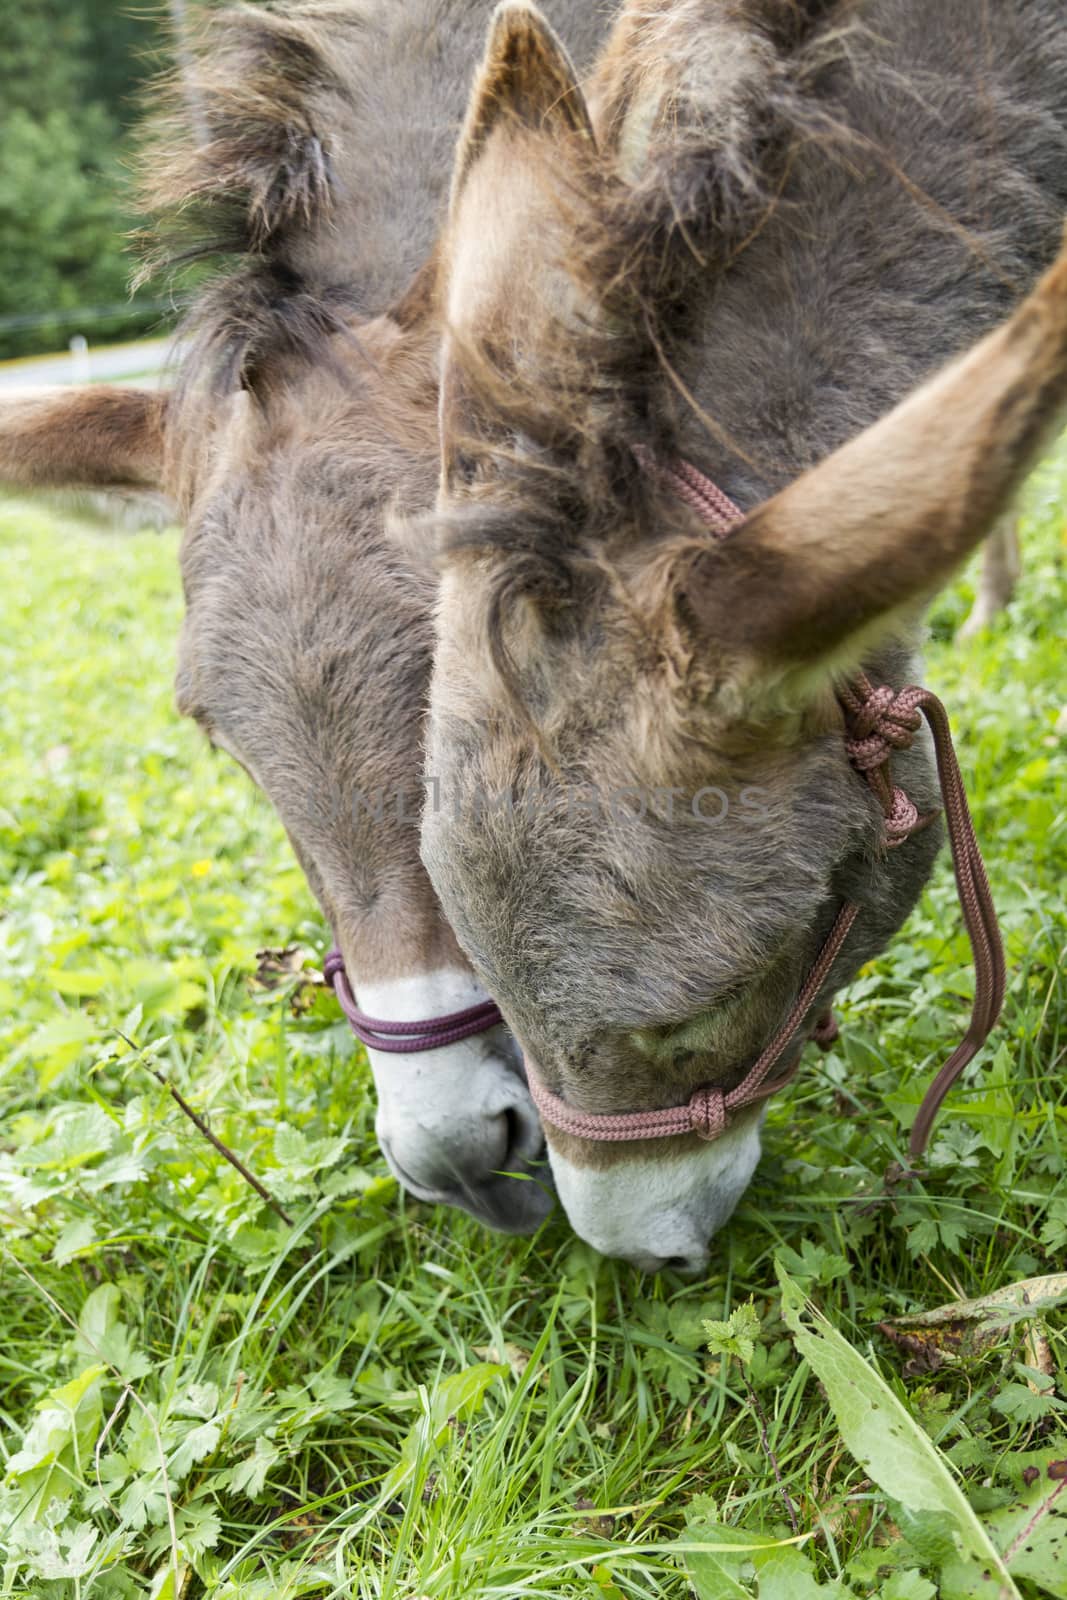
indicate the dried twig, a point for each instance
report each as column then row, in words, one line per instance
column 768, row 1451
column 201, row 1125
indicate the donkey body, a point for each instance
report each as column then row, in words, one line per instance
column 765, row 225
column 303, row 414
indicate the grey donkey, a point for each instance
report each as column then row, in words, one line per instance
column 303, row 416
column 747, row 245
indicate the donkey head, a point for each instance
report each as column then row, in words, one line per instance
column 646, row 819
column 305, row 654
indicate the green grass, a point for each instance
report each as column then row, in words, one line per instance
column 384, row 1400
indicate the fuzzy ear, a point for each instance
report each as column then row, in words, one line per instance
column 525, row 82
column 93, row 438
column 820, row 570
column 520, row 159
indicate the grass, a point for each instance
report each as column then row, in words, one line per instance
column 383, row 1400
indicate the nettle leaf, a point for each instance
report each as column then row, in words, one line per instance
column 79, row 1134
column 736, row 1336
column 890, row 1446
column 301, row 1158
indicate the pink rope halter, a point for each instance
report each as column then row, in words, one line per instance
column 879, row 720
column 405, row 1038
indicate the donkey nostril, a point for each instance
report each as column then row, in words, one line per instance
column 686, row 1264
column 513, row 1131
column 522, row 1140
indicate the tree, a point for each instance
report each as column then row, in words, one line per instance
column 70, row 72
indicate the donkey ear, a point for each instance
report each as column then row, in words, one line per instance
column 526, row 83
column 520, row 163
column 93, row 438
column 819, row 571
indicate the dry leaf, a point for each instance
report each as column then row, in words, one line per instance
column 275, row 967
column 511, row 1355
column 967, row 1327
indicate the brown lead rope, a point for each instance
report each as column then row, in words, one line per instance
column 881, row 721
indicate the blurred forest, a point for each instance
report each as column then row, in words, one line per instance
column 71, row 74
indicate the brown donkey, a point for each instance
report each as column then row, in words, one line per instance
column 765, row 226
column 304, row 414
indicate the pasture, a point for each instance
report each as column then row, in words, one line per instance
column 380, row 1399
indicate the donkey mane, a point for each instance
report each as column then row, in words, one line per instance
column 244, row 166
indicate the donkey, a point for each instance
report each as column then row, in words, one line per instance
column 303, row 417
column 751, row 248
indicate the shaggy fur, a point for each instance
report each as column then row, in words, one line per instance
column 304, row 416
column 331, row 128
column 797, row 213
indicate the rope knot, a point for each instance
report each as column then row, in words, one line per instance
column 880, row 721
column 707, row 1112
column 902, row 819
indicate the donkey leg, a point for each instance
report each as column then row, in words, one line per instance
column 1001, row 566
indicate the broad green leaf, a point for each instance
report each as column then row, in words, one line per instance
column 99, row 1314
column 717, row 1556
column 1032, row 1531
column 71, row 1395
column 56, row 1044
column 1016, row 1301
column 910, row 1585
column 199, row 1400
column 716, row 1576
column 787, row 1574
column 885, row 1439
